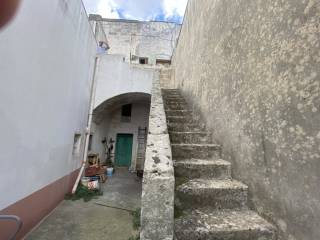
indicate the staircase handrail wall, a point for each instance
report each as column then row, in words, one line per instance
column 157, row 206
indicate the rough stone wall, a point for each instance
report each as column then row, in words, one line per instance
column 154, row 40
column 165, row 78
column 252, row 69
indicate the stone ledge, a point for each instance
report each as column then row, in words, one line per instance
column 157, row 123
column 157, row 203
column 158, row 155
column 157, row 213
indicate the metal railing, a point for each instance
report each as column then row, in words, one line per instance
column 15, row 219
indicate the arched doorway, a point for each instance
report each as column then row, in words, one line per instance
column 119, row 130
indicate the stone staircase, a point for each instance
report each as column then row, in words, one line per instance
column 165, row 77
column 209, row 204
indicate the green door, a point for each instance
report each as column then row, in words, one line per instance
column 124, row 150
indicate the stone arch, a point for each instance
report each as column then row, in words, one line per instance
column 108, row 124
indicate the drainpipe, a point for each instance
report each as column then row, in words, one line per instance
column 92, row 100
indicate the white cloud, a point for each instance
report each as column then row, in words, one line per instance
column 136, row 9
column 174, row 7
column 107, row 9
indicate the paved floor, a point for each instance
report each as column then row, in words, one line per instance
column 99, row 219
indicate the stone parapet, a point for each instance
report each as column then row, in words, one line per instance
column 157, row 208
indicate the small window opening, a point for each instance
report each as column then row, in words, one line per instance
column 76, row 143
column 126, row 113
column 90, row 142
column 163, row 62
column 143, row 60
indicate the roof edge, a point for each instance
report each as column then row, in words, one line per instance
column 97, row 17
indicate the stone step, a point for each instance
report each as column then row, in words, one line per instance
column 170, row 90
column 200, row 151
column 214, row 193
column 172, row 96
column 178, row 127
column 190, row 137
column 181, row 119
column 170, row 93
column 200, row 168
column 173, row 113
column 205, row 224
column 176, row 106
column 175, row 100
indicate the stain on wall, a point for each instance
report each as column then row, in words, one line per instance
column 153, row 40
column 252, row 69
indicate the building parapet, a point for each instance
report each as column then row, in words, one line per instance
column 157, row 206
column 100, row 35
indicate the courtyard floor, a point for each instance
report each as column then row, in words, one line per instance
column 107, row 217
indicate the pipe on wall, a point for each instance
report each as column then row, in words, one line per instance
column 86, row 144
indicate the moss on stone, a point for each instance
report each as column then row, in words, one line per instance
column 178, row 212
column 180, row 180
column 136, row 218
column 137, row 237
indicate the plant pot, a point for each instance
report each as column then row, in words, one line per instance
column 109, row 171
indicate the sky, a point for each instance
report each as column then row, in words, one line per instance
column 159, row 10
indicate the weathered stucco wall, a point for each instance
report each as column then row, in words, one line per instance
column 111, row 125
column 119, row 83
column 154, row 40
column 116, row 77
column 252, row 69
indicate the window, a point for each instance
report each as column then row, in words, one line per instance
column 76, row 143
column 126, row 113
column 90, row 142
column 163, row 62
column 143, row 60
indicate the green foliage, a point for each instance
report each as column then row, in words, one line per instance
column 180, row 180
column 136, row 218
column 136, row 223
column 137, row 237
column 83, row 192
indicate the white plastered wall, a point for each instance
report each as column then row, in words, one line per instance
column 116, row 77
column 46, row 65
column 112, row 125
